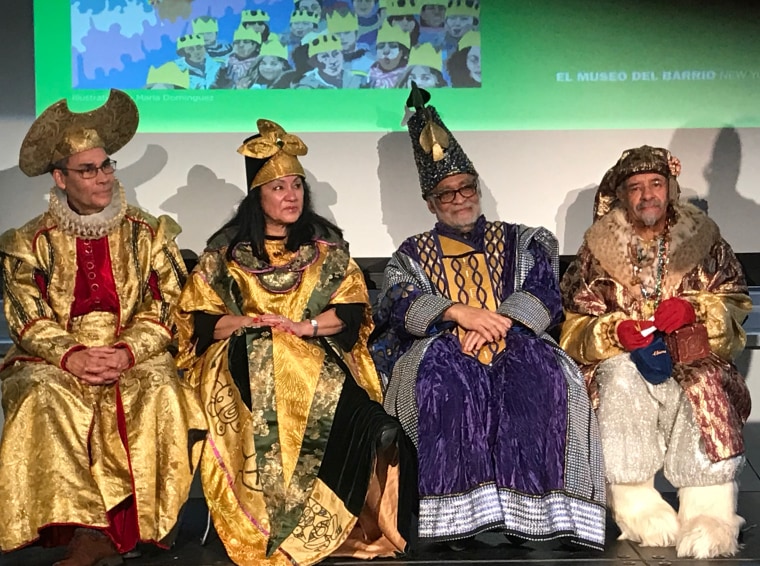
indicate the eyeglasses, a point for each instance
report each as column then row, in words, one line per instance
column 446, row 197
column 108, row 167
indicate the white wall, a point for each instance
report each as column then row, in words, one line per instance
column 367, row 182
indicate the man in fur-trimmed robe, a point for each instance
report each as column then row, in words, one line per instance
column 654, row 303
column 506, row 438
column 96, row 446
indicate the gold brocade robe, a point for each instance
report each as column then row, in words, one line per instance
column 598, row 292
column 259, row 466
column 62, row 461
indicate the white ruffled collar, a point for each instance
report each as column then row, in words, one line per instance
column 90, row 226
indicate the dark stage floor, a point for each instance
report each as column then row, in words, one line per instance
column 489, row 549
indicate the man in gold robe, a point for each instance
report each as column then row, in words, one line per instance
column 654, row 303
column 95, row 451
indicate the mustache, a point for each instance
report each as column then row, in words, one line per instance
column 650, row 202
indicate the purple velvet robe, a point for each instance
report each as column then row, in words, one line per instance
column 493, row 438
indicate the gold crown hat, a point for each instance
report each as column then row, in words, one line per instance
column 59, row 133
column 644, row 159
column 190, row 40
column 389, row 33
column 253, row 17
column 271, row 154
column 205, row 24
column 463, row 8
column 469, row 39
column 403, row 8
column 304, row 16
column 273, row 48
column 170, row 74
column 437, row 153
column 243, row 33
column 426, row 55
column 324, row 43
column 338, row 23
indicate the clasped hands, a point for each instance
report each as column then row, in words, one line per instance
column 481, row 326
column 275, row 321
column 671, row 314
column 100, row 365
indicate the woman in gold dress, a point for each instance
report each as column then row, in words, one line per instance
column 301, row 460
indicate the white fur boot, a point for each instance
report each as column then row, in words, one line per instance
column 708, row 519
column 642, row 514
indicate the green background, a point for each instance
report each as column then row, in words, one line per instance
column 525, row 44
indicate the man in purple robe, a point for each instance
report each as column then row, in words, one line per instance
column 505, row 434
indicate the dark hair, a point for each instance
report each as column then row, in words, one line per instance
column 458, row 71
column 61, row 165
column 402, row 62
column 300, row 56
column 248, row 225
column 264, row 34
column 258, row 79
column 414, row 35
column 440, row 79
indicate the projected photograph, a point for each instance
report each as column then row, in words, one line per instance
column 275, row 44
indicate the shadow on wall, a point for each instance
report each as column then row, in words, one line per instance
column 30, row 193
column 733, row 213
column 404, row 211
column 574, row 217
column 736, row 215
column 204, row 204
column 21, row 193
column 323, row 196
column 148, row 166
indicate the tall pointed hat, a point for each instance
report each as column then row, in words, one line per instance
column 436, row 151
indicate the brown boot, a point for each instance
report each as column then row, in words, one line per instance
column 91, row 548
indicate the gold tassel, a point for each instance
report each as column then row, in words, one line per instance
column 434, row 139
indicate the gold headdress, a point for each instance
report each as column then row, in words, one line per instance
column 59, row 133
column 644, row 159
column 272, row 154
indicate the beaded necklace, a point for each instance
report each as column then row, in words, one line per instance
column 651, row 298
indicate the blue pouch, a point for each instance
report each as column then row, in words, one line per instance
column 654, row 361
